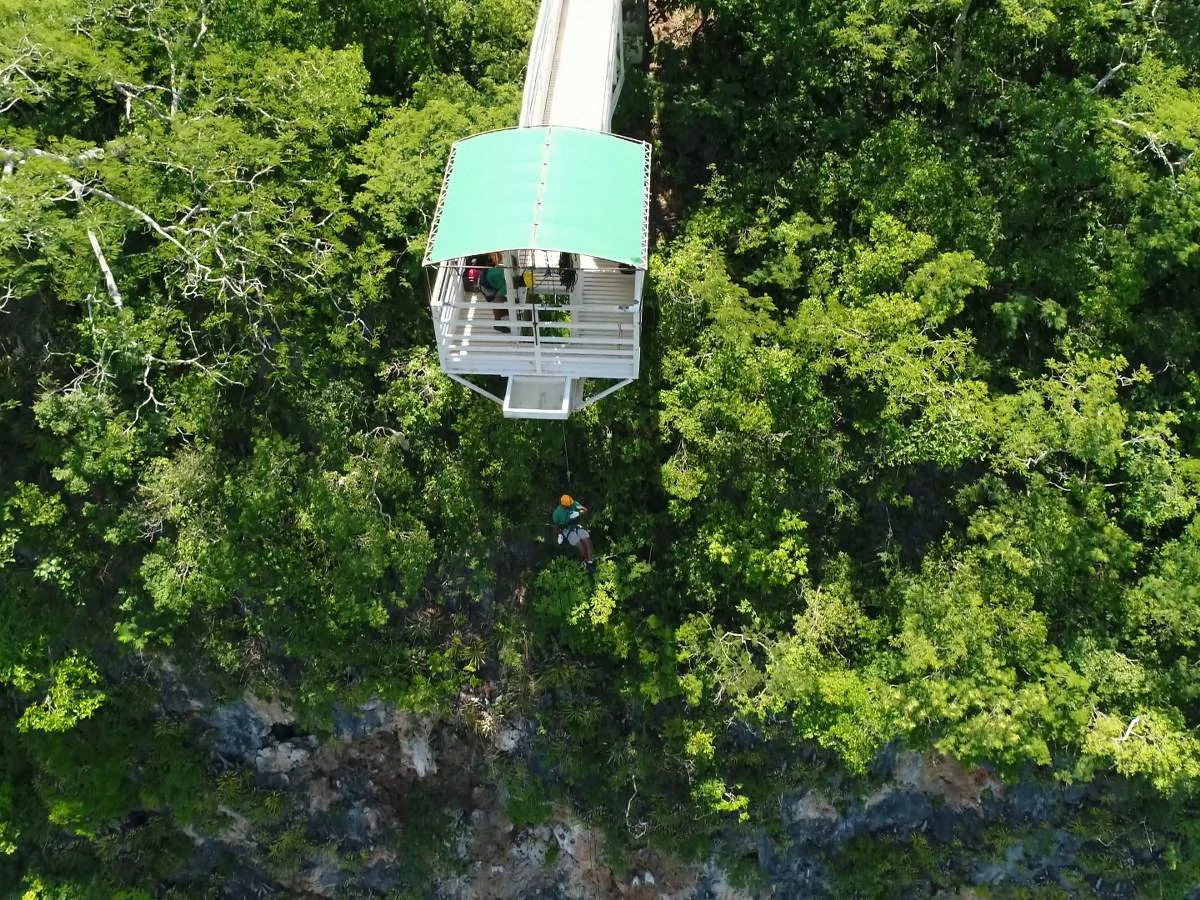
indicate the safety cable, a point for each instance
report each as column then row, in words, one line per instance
column 566, row 456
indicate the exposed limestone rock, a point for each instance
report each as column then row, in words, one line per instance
column 811, row 807
column 274, row 763
column 177, row 695
column 239, row 832
column 949, row 780
column 506, row 740
column 357, row 803
column 271, row 712
column 238, row 733
column 366, row 720
column 417, row 755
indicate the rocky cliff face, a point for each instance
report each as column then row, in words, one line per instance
column 396, row 804
column 388, row 779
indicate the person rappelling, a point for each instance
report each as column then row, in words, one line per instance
column 567, row 518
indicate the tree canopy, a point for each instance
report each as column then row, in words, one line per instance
column 915, row 460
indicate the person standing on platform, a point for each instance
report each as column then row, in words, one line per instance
column 494, row 287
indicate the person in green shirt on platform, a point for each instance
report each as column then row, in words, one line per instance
column 494, row 287
column 567, row 517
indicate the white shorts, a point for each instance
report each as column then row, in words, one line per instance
column 575, row 535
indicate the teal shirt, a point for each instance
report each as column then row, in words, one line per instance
column 562, row 515
column 494, row 278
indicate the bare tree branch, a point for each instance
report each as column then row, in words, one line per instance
column 15, row 75
column 109, row 281
column 960, row 23
column 19, row 157
column 1133, row 723
column 1108, row 77
column 133, row 92
column 150, row 396
column 1153, row 144
column 166, row 43
column 203, row 26
column 82, row 189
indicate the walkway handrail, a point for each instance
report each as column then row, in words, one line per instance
column 541, row 60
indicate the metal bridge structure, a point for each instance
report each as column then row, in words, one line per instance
column 564, row 205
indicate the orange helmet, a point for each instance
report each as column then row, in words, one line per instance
column 566, row 500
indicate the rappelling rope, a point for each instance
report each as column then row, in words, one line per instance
column 566, row 456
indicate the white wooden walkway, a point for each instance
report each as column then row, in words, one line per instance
column 574, row 65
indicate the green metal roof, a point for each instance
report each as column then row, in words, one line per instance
column 546, row 188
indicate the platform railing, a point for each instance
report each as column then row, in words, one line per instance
column 470, row 343
column 530, row 323
column 543, row 337
column 446, row 294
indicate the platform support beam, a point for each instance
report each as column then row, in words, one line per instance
column 604, row 393
column 476, row 388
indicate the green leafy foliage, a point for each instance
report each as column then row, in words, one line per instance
column 915, row 460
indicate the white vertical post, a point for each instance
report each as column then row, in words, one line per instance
column 438, row 313
column 537, row 341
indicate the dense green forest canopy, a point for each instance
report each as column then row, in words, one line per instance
column 914, row 461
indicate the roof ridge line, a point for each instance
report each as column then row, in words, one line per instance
column 538, row 201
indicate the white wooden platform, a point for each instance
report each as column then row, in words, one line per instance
column 593, row 335
column 557, row 338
